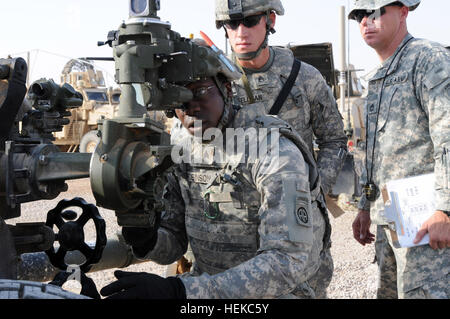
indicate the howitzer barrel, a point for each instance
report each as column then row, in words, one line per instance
column 37, row 267
column 63, row 166
column 36, row 172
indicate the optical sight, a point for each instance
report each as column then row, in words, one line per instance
column 144, row 8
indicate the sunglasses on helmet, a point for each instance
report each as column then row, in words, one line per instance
column 248, row 22
column 359, row 15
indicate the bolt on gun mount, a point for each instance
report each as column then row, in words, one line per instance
column 134, row 151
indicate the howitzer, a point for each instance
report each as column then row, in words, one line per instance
column 134, row 150
column 127, row 168
column 32, row 168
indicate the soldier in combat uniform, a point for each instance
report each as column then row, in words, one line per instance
column 310, row 107
column 256, row 223
column 307, row 104
column 408, row 134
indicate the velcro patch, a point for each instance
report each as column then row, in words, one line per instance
column 298, row 209
column 201, row 178
column 220, row 198
column 302, row 212
column 396, row 78
column 260, row 80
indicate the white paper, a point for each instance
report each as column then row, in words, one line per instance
column 411, row 203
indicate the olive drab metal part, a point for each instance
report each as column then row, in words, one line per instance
column 126, row 170
column 134, row 148
column 32, row 168
column 377, row 4
column 238, row 9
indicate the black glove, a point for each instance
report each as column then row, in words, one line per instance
column 141, row 285
column 141, row 239
column 88, row 287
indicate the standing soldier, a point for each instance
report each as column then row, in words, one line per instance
column 408, row 134
column 289, row 88
column 297, row 93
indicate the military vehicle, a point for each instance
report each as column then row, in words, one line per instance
column 98, row 101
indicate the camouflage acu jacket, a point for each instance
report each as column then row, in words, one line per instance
column 310, row 108
column 253, row 221
column 412, row 133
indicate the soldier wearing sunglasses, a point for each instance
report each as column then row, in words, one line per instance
column 309, row 105
column 296, row 92
column 408, row 134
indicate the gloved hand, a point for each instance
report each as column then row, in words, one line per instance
column 134, row 285
column 88, row 287
column 141, row 239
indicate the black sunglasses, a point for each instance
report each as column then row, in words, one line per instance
column 361, row 14
column 248, row 22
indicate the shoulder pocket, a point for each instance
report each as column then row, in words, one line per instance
column 436, row 77
column 298, row 215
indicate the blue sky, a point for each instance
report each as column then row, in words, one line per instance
column 71, row 28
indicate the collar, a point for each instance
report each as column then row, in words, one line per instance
column 265, row 67
column 392, row 62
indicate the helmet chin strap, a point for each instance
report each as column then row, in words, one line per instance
column 252, row 55
column 228, row 113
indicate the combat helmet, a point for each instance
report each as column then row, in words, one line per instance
column 377, row 4
column 239, row 9
column 222, row 69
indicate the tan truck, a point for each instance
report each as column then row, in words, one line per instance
column 98, row 101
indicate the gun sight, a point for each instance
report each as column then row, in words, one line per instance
column 47, row 96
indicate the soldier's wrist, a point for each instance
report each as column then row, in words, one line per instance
column 364, row 204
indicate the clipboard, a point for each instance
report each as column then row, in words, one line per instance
column 408, row 203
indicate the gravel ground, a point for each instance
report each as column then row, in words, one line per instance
column 354, row 274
